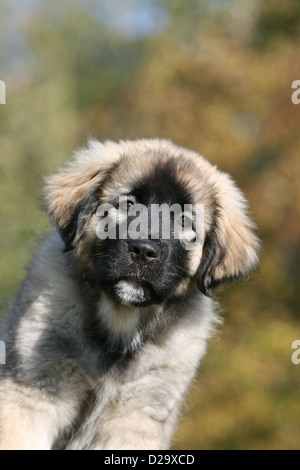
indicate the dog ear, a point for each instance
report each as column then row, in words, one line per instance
column 231, row 247
column 71, row 195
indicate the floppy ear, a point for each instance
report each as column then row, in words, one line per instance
column 71, row 195
column 231, row 247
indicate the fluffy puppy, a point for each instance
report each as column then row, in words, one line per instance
column 108, row 328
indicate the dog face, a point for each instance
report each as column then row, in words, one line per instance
column 149, row 268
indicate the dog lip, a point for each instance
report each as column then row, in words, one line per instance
column 135, row 281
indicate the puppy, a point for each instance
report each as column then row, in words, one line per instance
column 113, row 318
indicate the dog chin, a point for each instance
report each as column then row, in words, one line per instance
column 130, row 293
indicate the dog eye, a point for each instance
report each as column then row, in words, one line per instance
column 129, row 203
column 125, row 203
column 185, row 221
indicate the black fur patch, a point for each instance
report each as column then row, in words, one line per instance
column 162, row 186
column 77, row 223
column 205, row 282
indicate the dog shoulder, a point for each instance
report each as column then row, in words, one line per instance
column 47, row 307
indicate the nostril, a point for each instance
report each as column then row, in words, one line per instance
column 135, row 250
column 151, row 254
column 144, row 250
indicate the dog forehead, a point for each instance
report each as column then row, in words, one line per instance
column 162, row 181
column 153, row 177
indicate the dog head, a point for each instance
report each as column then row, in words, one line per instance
column 103, row 203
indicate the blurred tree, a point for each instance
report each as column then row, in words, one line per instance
column 276, row 21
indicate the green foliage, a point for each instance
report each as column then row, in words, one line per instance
column 216, row 78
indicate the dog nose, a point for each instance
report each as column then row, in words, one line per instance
column 144, row 250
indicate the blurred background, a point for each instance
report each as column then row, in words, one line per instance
column 214, row 76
